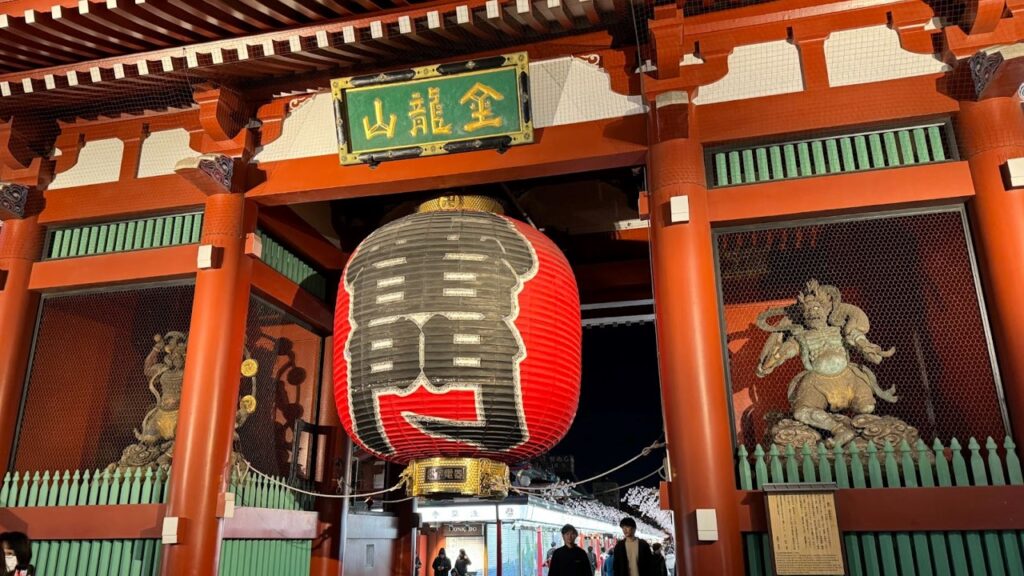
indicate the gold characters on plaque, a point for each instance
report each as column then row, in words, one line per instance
column 418, row 113
column 427, row 115
column 379, row 127
column 479, row 98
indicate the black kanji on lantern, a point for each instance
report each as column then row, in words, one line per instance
column 434, row 298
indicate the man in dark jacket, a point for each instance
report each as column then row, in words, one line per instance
column 633, row 556
column 442, row 564
column 570, row 560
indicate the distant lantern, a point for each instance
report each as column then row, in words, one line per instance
column 457, row 345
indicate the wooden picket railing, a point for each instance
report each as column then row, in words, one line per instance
column 89, row 488
column 141, row 556
column 970, row 553
column 124, row 236
column 734, row 165
column 280, row 258
column 259, row 492
column 99, row 487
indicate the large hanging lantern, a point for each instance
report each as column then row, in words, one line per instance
column 457, row 345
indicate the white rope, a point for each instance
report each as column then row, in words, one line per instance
column 637, row 481
column 566, row 485
column 318, row 494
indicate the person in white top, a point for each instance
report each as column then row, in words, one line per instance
column 633, row 555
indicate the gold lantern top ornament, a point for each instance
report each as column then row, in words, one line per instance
column 461, row 202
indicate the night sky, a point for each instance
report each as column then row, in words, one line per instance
column 620, row 404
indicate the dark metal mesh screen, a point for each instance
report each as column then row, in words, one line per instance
column 87, row 390
column 286, row 390
column 911, row 274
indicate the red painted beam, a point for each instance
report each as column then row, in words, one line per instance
column 275, row 286
column 858, row 191
column 565, row 149
column 909, row 509
column 861, row 104
column 285, row 225
column 118, row 199
column 108, row 269
column 145, row 521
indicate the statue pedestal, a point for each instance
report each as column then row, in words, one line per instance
column 868, row 427
column 158, row 457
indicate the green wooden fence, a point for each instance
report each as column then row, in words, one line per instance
column 141, row 557
column 91, row 488
column 259, row 492
column 100, row 487
column 908, row 146
column 291, row 266
column 995, row 553
column 265, row 557
column 124, row 236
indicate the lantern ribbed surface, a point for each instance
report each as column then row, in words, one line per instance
column 457, row 334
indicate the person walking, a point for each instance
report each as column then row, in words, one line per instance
column 442, row 565
column 17, row 549
column 608, row 563
column 462, row 564
column 548, row 555
column 660, row 569
column 633, row 556
column 570, row 560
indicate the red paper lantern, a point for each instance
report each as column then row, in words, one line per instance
column 457, row 334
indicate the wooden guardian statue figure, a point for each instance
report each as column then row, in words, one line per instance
column 823, row 331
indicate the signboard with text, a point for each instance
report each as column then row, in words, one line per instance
column 804, row 529
column 457, row 107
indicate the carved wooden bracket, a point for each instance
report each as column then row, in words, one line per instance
column 667, row 40
column 990, row 27
column 271, row 117
column 24, row 151
column 70, row 144
column 210, row 173
column 810, row 41
column 13, row 199
column 915, row 25
column 670, row 46
column 224, row 117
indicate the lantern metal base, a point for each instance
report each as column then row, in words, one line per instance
column 443, row 476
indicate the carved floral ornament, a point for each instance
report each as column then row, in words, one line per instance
column 13, row 198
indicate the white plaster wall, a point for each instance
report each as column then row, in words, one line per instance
column 756, row 70
column 873, row 54
column 162, row 150
column 98, row 162
column 570, row 90
column 308, row 131
column 564, row 91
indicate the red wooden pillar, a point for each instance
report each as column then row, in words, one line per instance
column 540, row 552
column 328, row 549
column 693, row 389
column 20, row 245
column 991, row 132
column 209, row 396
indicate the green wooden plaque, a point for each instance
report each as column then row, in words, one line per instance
column 456, row 107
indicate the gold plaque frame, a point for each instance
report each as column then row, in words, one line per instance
column 499, row 142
